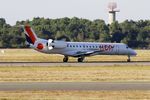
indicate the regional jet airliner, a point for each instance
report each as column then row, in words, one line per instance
column 79, row 50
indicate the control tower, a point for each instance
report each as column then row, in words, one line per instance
column 112, row 11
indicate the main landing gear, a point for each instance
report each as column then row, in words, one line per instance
column 128, row 60
column 66, row 58
column 80, row 59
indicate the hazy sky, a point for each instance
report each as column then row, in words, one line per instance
column 13, row 10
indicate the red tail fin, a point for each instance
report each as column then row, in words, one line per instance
column 30, row 34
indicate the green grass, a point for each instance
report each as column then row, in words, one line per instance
column 75, row 74
column 25, row 55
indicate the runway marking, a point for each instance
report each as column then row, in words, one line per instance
column 94, row 86
column 73, row 64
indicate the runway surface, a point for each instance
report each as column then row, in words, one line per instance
column 94, row 86
column 73, row 63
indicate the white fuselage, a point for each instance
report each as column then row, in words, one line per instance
column 97, row 48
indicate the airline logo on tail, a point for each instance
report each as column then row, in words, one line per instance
column 30, row 35
column 32, row 38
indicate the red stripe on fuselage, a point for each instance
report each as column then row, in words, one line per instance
column 30, row 33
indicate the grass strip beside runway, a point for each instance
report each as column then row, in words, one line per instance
column 75, row 74
column 75, row 95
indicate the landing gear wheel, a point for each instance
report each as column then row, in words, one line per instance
column 80, row 59
column 65, row 59
column 128, row 60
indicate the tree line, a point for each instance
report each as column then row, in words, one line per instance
column 136, row 34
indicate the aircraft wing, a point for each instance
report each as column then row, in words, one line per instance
column 86, row 53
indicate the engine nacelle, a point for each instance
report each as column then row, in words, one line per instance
column 57, row 44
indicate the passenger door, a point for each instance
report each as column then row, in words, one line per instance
column 117, row 49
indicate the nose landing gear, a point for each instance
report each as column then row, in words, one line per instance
column 128, row 60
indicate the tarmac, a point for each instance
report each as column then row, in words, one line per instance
column 48, row 64
column 71, row 86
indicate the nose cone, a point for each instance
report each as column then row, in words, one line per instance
column 132, row 52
